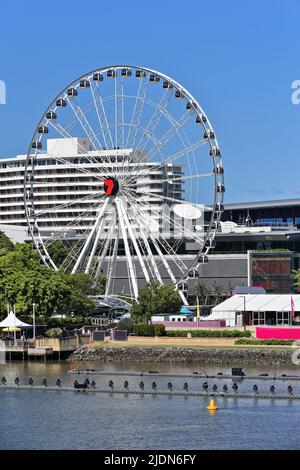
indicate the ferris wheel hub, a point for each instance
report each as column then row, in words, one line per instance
column 111, row 186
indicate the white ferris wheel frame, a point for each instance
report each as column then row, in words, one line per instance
column 124, row 224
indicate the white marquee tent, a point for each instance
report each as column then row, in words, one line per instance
column 230, row 309
column 11, row 321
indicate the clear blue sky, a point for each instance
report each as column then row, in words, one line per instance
column 237, row 58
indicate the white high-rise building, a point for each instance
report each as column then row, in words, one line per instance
column 59, row 182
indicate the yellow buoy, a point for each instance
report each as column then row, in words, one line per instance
column 212, row 406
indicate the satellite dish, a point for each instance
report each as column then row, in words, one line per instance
column 187, row 211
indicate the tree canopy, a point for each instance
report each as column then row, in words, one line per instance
column 153, row 299
column 25, row 280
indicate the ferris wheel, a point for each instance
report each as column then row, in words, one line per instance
column 125, row 167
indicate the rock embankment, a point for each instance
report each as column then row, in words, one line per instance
column 184, row 355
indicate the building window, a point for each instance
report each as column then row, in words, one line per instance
column 258, row 318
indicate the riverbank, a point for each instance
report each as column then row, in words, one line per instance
column 175, row 354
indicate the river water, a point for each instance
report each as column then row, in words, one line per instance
column 67, row 420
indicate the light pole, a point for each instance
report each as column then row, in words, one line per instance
column 33, row 318
column 244, row 297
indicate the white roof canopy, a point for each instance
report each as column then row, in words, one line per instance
column 11, row 321
column 259, row 302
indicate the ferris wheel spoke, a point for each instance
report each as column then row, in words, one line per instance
column 160, row 110
column 177, row 179
column 62, row 131
column 160, row 239
column 137, row 112
column 169, row 221
column 65, row 205
column 119, row 83
column 60, row 234
column 94, row 246
column 84, row 123
column 173, row 158
column 164, row 262
column 148, row 251
column 65, row 134
column 111, row 273
column 67, row 163
column 169, row 135
column 156, row 116
column 101, row 115
column 91, row 234
column 101, row 257
column 131, row 270
column 75, row 249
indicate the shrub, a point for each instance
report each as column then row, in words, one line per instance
column 126, row 324
column 210, row 333
column 159, row 329
column 267, row 342
column 54, row 332
column 142, row 329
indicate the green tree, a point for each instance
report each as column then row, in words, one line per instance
column 6, row 245
column 25, row 280
column 58, row 250
column 155, row 299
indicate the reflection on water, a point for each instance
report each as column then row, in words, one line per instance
column 63, row 420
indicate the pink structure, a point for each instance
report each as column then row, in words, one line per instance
column 278, row 333
column 188, row 325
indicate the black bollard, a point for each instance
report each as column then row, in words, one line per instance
column 235, row 386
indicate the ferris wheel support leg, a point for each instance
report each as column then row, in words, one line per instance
column 89, row 239
column 152, row 259
column 135, row 244
column 112, row 268
column 149, row 251
column 127, row 251
column 169, row 270
column 95, row 244
column 101, row 259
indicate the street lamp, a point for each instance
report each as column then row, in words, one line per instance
column 33, row 318
column 244, row 297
